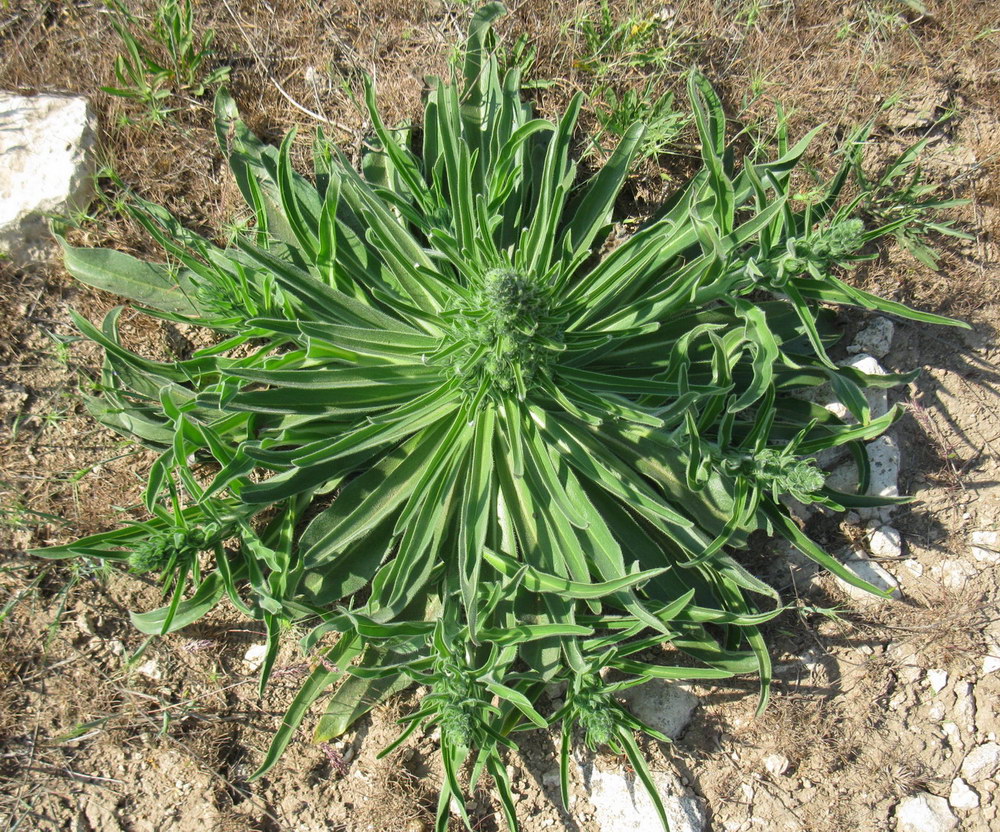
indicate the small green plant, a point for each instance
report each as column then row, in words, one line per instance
column 522, row 55
column 171, row 60
column 617, row 113
column 612, row 44
column 465, row 448
column 899, row 196
column 872, row 22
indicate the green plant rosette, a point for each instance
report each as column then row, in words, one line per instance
column 469, row 441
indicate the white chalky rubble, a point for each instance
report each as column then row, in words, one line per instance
column 962, row 795
column 937, row 679
column 622, row 805
column 885, row 542
column 924, row 813
column 253, row 658
column 986, row 546
column 883, row 457
column 151, row 670
column 620, row 802
column 868, row 570
column 953, row 573
column 875, row 339
column 665, row 706
column 776, row 764
column 882, row 452
column 982, row 763
column 877, row 397
column 46, row 167
column 964, row 711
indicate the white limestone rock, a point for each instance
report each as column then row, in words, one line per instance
column 878, row 398
column 875, row 339
column 843, row 477
column 953, row 573
column 868, row 570
column 962, row 795
column 776, row 764
column 790, row 563
column 982, row 763
column 254, row 656
column 882, row 452
column 622, row 805
column 986, row 546
column 883, row 457
column 151, row 670
column 924, row 813
column 666, row 706
column 885, row 542
column 937, row 679
column 46, row 167
column 964, row 712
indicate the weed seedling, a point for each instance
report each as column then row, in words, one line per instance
column 170, row 60
column 617, row 113
column 611, row 44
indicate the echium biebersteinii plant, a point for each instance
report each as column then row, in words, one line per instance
column 468, row 446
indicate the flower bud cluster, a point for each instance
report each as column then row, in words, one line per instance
column 502, row 331
column 459, row 702
column 826, row 247
column 159, row 549
column 786, row 474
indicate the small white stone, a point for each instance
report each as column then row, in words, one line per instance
column 991, row 664
column 962, row 795
column 253, row 658
column 954, row 573
column 776, row 764
column 986, row 546
column 981, row 763
column 666, row 706
column 924, row 813
column 885, row 542
column 985, row 555
column 915, row 567
column 622, row 804
column 841, row 412
column 150, row 669
column 883, row 458
column 965, row 707
column 868, row 570
column 844, row 477
column 875, row 339
column 937, row 679
column 878, row 400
